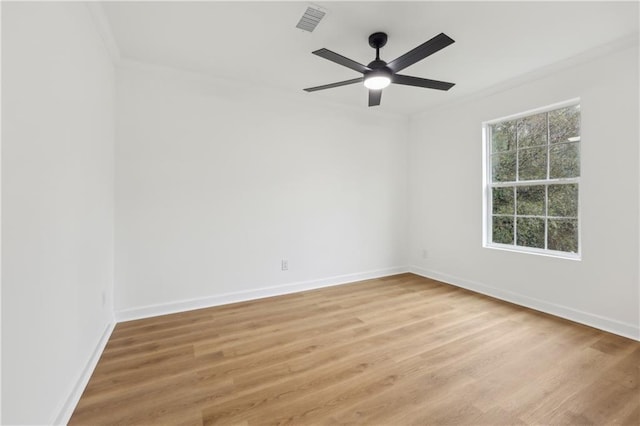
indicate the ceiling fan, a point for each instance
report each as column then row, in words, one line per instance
column 379, row 74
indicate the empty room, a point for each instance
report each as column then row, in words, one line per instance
column 376, row 213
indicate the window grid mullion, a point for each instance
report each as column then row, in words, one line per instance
column 536, row 216
column 546, row 216
column 515, row 215
column 515, row 189
column 548, row 148
column 517, row 151
column 546, row 187
column 563, row 181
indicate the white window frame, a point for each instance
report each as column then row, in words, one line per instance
column 487, row 207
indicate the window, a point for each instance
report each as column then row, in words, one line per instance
column 532, row 175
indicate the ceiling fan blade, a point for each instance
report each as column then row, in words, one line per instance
column 425, row 49
column 408, row 80
column 338, row 84
column 341, row 60
column 374, row 97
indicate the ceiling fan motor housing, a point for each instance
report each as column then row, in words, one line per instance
column 378, row 70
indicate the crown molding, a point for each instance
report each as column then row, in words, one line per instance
column 253, row 90
column 628, row 42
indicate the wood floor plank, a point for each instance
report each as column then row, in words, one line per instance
column 396, row 350
column 413, row 378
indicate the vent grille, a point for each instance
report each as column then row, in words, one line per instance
column 310, row 19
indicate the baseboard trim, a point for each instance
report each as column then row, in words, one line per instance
column 64, row 415
column 260, row 293
column 606, row 324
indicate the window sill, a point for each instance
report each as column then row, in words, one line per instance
column 538, row 252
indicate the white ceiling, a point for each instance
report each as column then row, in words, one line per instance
column 257, row 42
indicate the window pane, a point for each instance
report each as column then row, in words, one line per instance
column 564, row 124
column 563, row 200
column 503, row 167
column 531, row 200
column 502, row 230
column 564, row 161
column 532, row 163
column 503, row 136
column 532, row 130
column 563, row 235
column 530, row 232
column 503, row 200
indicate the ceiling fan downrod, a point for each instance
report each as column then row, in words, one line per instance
column 377, row 41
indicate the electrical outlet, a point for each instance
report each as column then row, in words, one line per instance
column 284, row 265
column 104, row 298
column 425, row 253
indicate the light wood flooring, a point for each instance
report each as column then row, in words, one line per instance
column 400, row 350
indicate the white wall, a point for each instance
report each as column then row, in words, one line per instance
column 446, row 197
column 218, row 182
column 57, row 199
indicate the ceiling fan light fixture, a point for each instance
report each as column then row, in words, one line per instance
column 377, row 79
column 377, row 82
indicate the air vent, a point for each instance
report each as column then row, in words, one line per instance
column 310, row 19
